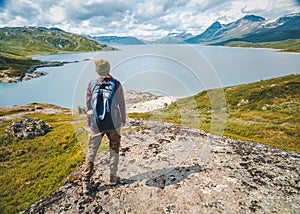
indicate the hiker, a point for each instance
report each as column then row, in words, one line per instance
column 106, row 114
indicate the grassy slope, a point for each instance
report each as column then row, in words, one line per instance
column 290, row 45
column 18, row 44
column 271, row 117
column 31, row 169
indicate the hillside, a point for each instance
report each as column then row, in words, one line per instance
column 289, row 45
column 33, row 168
column 17, row 44
column 266, row 111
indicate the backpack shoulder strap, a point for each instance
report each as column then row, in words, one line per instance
column 114, row 81
column 93, row 84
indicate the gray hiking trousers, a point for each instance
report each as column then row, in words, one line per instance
column 94, row 141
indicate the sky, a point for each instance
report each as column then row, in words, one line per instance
column 145, row 19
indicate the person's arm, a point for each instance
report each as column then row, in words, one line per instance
column 88, row 103
column 121, row 103
column 88, row 97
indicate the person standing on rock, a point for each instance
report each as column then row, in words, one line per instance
column 106, row 115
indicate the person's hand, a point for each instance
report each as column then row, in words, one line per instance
column 89, row 116
column 123, row 124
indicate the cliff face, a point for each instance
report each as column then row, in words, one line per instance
column 167, row 168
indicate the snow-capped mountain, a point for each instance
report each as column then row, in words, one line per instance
column 217, row 32
column 208, row 33
column 251, row 28
column 174, row 38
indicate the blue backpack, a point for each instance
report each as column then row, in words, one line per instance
column 101, row 100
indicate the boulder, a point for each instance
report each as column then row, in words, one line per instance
column 28, row 128
column 81, row 110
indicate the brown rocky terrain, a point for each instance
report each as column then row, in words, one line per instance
column 165, row 168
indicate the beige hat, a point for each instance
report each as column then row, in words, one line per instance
column 102, row 67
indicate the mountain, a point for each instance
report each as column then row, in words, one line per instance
column 31, row 40
column 218, row 33
column 283, row 28
column 251, row 28
column 208, row 33
column 17, row 44
column 174, row 38
column 118, row 40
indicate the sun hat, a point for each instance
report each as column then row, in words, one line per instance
column 102, row 67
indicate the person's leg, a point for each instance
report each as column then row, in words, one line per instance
column 114, row 147
column 94, row 141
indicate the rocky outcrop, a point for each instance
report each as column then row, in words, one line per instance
column 143, row 101
column 243, row 102
column 27, row 76
column 165, row 168
column 28, row 128
column 31, row 72
column 48, row 64
column 80, row 110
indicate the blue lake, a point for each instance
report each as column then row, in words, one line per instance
column 173, row 70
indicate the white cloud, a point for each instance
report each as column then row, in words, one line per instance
column 19, row 20
column 149, row 9
column 144, row 18
column 256, row 5
column 56, row 14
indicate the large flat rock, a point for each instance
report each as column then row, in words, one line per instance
column 167, row 168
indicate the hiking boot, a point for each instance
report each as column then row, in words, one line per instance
column 114, row 180
column 86, row 187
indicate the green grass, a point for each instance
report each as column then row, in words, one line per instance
column 17, row 44
column 290, row 45
column 32, row 169
column 272, row 115
column 27, row 108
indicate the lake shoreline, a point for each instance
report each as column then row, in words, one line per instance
column 135, row 102
column 183, row 71
column 31, row 73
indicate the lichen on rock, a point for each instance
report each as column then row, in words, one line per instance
column 28, row 128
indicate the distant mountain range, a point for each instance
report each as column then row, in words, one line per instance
column 174, row 38
column 118, row 40
column 250, row 28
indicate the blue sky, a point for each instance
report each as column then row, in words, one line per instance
column 149, row 19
